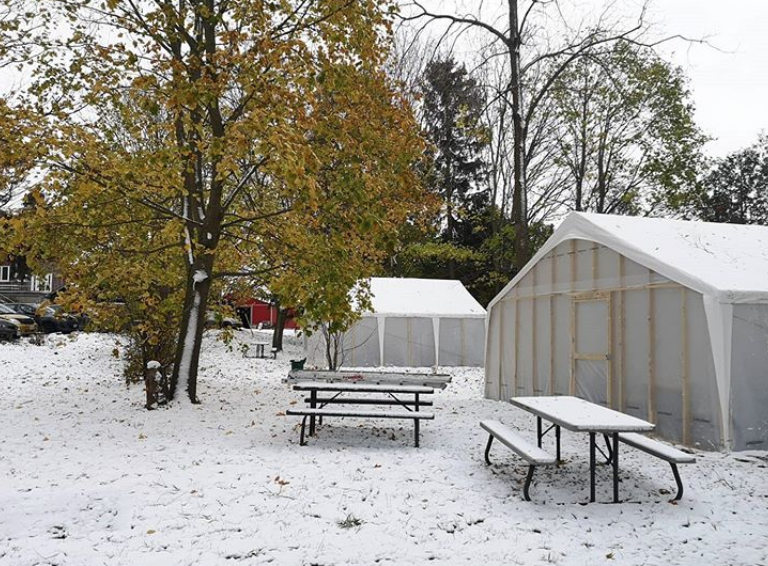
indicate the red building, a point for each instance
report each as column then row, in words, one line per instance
column 264, row 313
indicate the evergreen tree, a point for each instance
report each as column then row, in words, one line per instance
column 736, row 189
column 452, row 111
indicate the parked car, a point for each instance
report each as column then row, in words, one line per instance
column 53, row 318
column 215, row 319
column 49, row 318
column 25, row 325
column 8, row 330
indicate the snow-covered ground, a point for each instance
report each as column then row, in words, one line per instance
column 88, row 477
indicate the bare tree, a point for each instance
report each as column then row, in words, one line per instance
column 530, row 44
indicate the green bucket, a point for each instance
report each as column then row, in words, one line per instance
column 297, row 364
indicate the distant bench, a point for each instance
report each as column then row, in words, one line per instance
column 393, row 396
column 528, row 451
column 660, row 450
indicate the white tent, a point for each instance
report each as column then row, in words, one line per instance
column 414, row 323
column 663, row 319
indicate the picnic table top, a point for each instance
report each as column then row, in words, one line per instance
column 361, row 387
column 579, row 415
column 435, row 381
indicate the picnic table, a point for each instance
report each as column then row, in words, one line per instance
column 407, row 398
column 261, row 350
column 578, row 415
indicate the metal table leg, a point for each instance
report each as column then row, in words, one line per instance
column 557, row 438
column 609, row 457
column 416, row 421
column 539, row 434
column 591, row 467
column 488, row 450
column 312, row 405
column 615, row 462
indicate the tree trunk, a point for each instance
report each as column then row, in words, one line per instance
column 519, row 194
column 331, row 348
column 192, row 325
column 277, row 336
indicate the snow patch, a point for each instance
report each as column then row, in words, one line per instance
column 186, row 355
column 90, row 477
column 199, row 276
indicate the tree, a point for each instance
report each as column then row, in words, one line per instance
column 528, row 48
column 736, row 188
column 251, row 139
column 18, row 151
column 628, row 141
column 451, row 115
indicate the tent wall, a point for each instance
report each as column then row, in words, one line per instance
column 587, row 321
column 407, row 342
column 749, row 372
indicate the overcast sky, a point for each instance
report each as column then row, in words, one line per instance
column 730, row 89
column 729, row 81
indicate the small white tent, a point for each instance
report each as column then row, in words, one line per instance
column 664, row 319
column 414, row 323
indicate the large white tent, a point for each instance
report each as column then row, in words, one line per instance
column 413, row 323
column 663, row 319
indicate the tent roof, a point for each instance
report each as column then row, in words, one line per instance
column 423, row 297
column 728, row 262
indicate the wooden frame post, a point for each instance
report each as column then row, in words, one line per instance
column 684, row 364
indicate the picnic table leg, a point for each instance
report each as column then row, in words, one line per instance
column 678, row 481
column 539, row 435
column 591, row 467
column 557, row 439
column 488, row 450
column 608, row 458
column 312, row 405
column 416, row 421
column 301, row 438
column 615, row 457
column 527, row 485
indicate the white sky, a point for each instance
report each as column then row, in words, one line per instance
column 730, row 89
column 728, row 80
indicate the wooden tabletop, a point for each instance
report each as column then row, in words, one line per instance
column 361, row 387
column 579, row 415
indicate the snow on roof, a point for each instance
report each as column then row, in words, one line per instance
column 423, row 297
column 726, row 261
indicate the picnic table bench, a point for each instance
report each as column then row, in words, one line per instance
column 662, row 451
column 528, row 451
column 383, row 395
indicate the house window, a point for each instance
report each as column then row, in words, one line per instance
column 5, row 273
column 42, row 283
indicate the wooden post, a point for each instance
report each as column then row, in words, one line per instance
column 622, row 337
column 572, row 383
column 552, row 321
column 517, row 343
column 152, row 379
column 684, row 364
column 651, row 354
column 534, row 332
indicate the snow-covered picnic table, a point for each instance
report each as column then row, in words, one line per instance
column 260, row 348
column 377, row 394
column 578, row 415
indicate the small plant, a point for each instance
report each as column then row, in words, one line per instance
column 350, row 522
